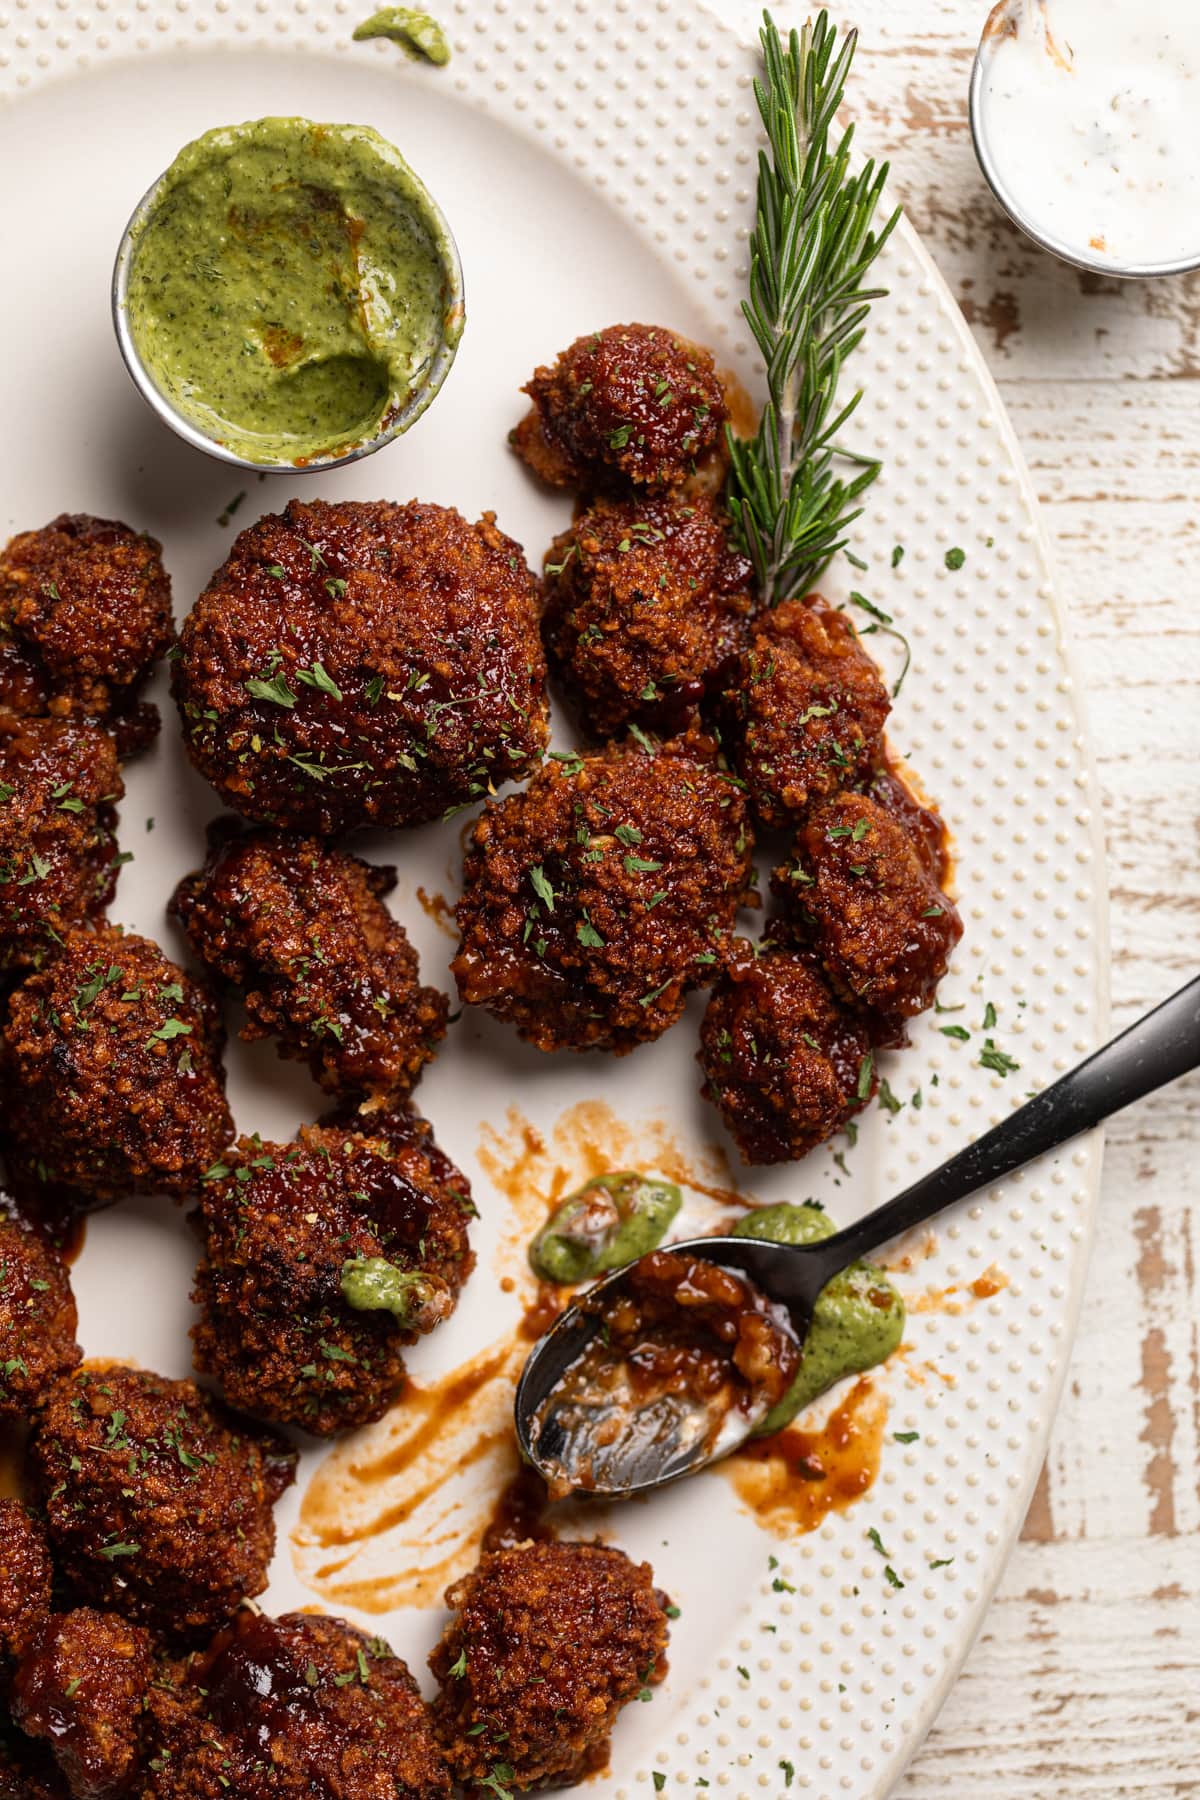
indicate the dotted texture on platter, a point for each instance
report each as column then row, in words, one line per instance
column 652, row 104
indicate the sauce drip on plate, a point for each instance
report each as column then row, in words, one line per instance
column 793, row 1481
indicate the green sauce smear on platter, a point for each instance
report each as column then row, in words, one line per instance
column 291, row 288
column 610, row 1221
column 615, row 1218
column 857, row 1323
column 417, row 34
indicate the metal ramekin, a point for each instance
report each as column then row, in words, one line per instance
column 159, row 403
column 1065, row 252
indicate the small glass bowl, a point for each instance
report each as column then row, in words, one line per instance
column 1069, row 253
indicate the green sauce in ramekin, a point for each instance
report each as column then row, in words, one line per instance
column 292, row 291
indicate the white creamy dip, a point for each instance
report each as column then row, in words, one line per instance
column 1089, row 113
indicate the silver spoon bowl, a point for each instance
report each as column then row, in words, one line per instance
column 614, row 1453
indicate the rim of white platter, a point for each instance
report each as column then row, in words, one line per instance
column 597, row 162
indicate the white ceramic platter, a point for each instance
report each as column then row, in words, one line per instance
column 596, row 162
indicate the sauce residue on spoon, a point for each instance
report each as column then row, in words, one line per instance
column 400, row 1510
column 685, row 1359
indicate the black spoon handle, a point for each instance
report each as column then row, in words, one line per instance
column 1158, row 1049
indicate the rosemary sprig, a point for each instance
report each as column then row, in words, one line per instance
column 810, row 252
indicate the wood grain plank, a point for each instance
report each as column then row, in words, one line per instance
column 1086, row 1679
column 1085, row 1683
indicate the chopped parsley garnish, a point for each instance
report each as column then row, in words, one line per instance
column 231, row 507
column 66, row 800
column 884, row 622
column 169, row 1029
column 542, row 887
column 319, row 677
column 276, row 690
column 997, row 1060
column 955, row 558
column 38, row 870
column 494, row 1782
column 558, row 567
column 887, row 1098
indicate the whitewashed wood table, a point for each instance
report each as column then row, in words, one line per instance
column 1086, row 1679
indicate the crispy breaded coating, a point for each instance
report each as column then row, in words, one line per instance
column 629, row 406
column 26, row 1580
column 808, row 708
column 38, row 1320
column 323, row 1259
column 861, row 895
column 784, row 1064
column 27, row 1770
column 291, row 1709
column 302, row 934
column 158, row 1503
column 363, row 664
column 59, row 780
column 85, row 613
column 113, row 1056
column 548, row 1642
column 596, row 899
column 647, row 607
column 80, row 1687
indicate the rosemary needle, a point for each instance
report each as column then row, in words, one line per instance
column 792, row 487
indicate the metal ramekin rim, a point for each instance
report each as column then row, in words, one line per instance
column 165, row 409
column 1067, row 253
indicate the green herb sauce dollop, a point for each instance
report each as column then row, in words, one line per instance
column 417, row 34
column 608, row 1222
column 858, row 1321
